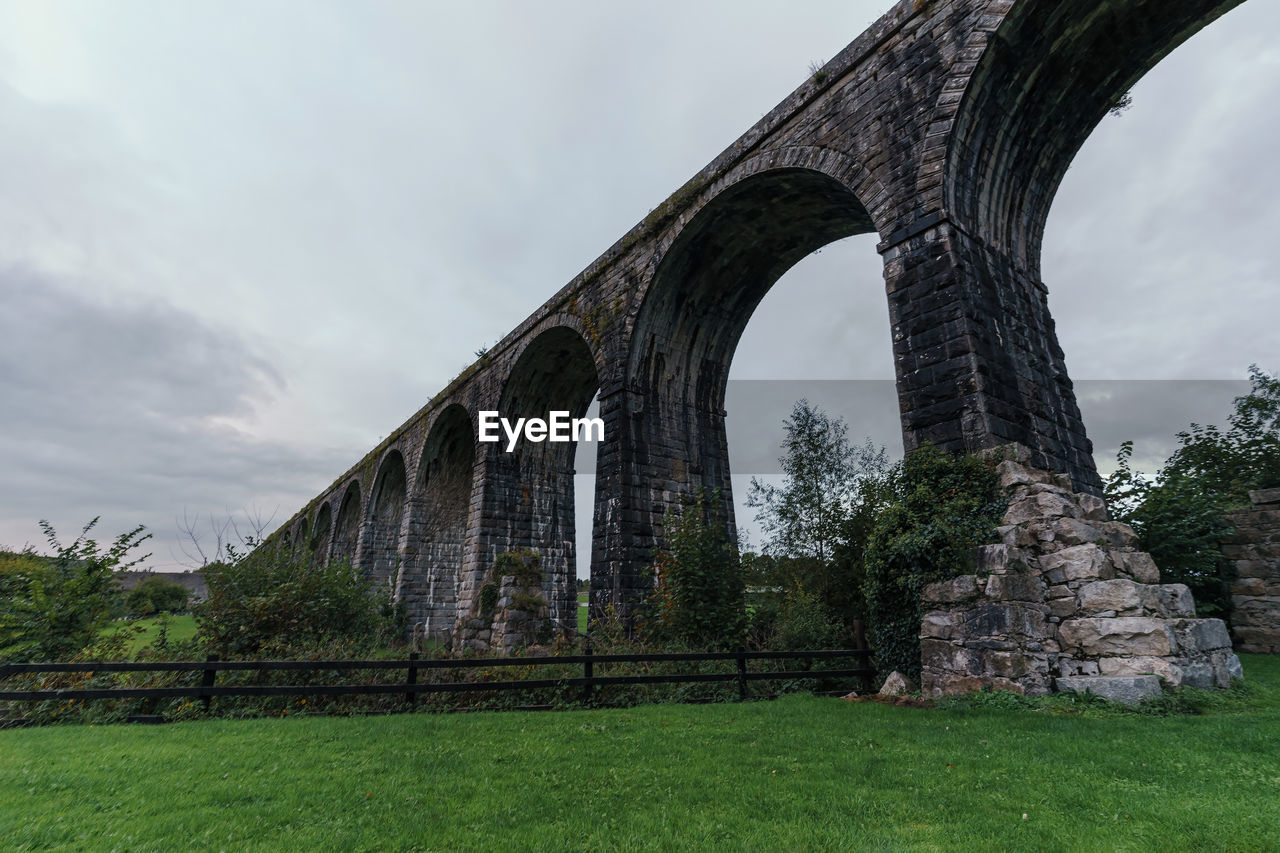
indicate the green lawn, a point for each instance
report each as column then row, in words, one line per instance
column 143, row 632
column 800, row 773
column 582, row 612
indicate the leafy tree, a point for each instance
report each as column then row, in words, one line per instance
column 1178, row 515
column 698, row 597
column 52, row 607
column 816, row 526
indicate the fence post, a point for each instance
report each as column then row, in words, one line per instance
column 412, row 678
column 209, row 675
column 742, row 674
column 588, row 671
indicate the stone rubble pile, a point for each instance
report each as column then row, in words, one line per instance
column 1066, row 602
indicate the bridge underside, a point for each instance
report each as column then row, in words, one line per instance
column 945, row 129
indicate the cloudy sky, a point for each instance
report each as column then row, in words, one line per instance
column 244, row 241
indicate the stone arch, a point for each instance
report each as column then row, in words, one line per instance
column 439, row 509
column 978, row 358
column 321, row 533
column 299, row 537
column 667, row 420
column 1047, row 76
column 346, row 529
column 528, row 499
column 380, row 545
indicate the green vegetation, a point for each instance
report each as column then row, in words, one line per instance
column 698, row 598
column 52, row 607
column 801, row 773
column 141, row 633
column 937, row 509
column 1178, row 515
column 279, row 602
column 155, row 595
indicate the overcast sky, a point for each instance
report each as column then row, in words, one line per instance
column 245, row 240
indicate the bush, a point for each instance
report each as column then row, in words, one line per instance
column 155, row 595
column 805, row 622
column 698, row 597
column 1178, row 516
column 937, row 509
column 278, row 602
column 52, row 607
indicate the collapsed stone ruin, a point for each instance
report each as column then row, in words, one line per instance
column 1254, row 551
column 1066, row 601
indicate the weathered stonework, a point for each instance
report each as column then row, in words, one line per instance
column 1254, row 549
column 945, row 129
column 1065, row 602
column 519, row 617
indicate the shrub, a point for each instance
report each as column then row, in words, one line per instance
column 805, row 622
column 155, row 595
column 523, row 564
column 51, row 607
column 698, row 598
column 278, row 602
column 938, row 508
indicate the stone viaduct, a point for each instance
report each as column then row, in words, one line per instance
column 945, row 128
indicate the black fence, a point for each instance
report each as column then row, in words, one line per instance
column 418, row 672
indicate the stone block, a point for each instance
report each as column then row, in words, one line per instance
column 1201, row 635
column 1046, row 505
column 1257, row 640
column 998, row 559
column 1264, row 496
column 1013, row 474
column 1077, row 563
column 1171, row 600
column 955, row 591
column 1018, row 586
column 1092, row 508
column 1139, row 566
column 1072, row 531
column 1126, row 689
column 1119, row 534
column 942, row 656
column 897, row 684
column 1119, row 596
column 1120, row 636
column 1165, row 668
column 939, row 624
column 1000, row 620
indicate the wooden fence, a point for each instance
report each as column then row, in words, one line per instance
column 412, row 685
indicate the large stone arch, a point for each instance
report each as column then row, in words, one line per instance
column 379, row 554
column 982, row 365
column 346, row 527
column 528, row 495
column 439, row 512
column 665, row 423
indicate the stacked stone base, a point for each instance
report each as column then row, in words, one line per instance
column 1066, row 602
column 512, row 625
column 1254, row 550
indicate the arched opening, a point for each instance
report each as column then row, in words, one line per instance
column 319, row 543
column 1048, row 75
column 530, row 497
column 1174, row 200
column 439, row 508
column 704, row 291
column 299, row 538
column 379, row 553
column 820, row 334
column 346, row 530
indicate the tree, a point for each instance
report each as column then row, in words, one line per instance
column 52, row 607
column 805, row 517
column 154, row 595
column 816, row 526
column 1179, row 515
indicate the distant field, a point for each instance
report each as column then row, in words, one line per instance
column 143, row 632
column 582, row 612
column 800, row 773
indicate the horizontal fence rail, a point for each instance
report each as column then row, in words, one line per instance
column 411, row 687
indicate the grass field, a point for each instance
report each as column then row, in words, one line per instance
column 144, row 631
column 582, row 612
column 800, row 773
